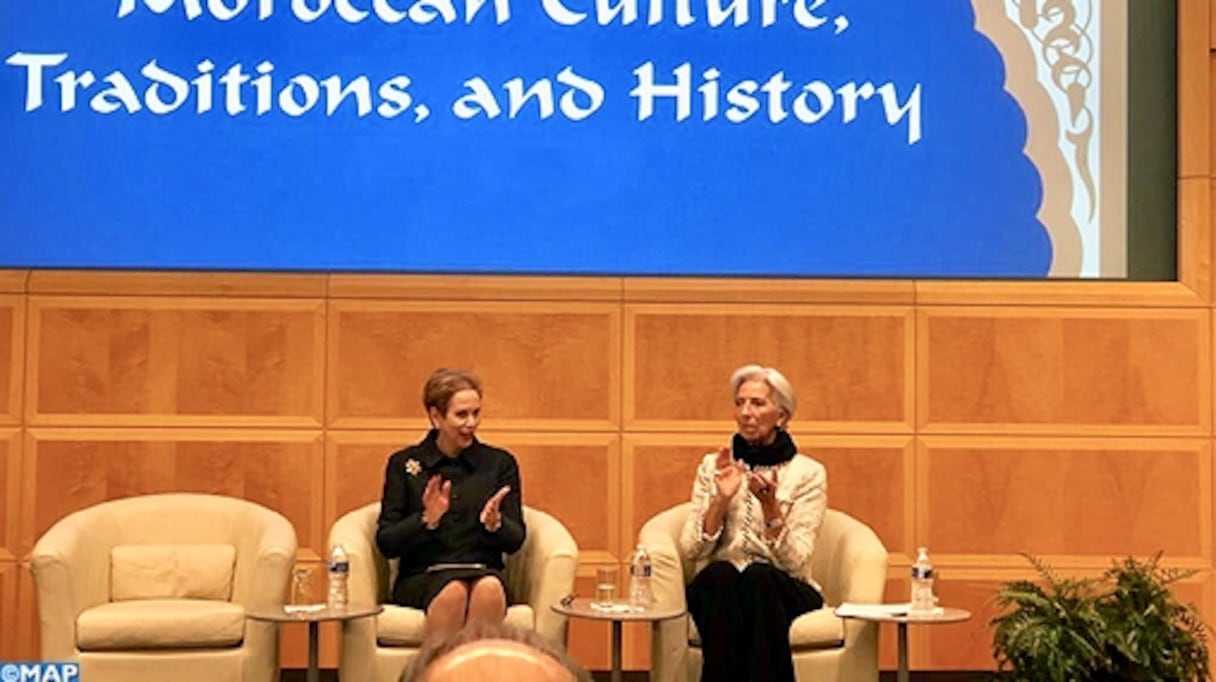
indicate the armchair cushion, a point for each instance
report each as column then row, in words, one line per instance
column 160, row 624
column 405, row 626
column 171, row 572
column 819, row 629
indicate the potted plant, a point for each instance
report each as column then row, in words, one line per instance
column 1123, row 625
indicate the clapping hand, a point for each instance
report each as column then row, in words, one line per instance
column 491, row 514
column 764, row 486
column 436, row 499
column 728, row 474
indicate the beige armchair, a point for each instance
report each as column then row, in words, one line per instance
column 378, row 649
column 156, row 588
column 850, row 564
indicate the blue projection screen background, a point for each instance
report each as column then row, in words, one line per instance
column 904, row 138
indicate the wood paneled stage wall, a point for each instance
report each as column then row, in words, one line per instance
column 1071, row 420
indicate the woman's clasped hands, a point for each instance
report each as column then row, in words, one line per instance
column 729, row 474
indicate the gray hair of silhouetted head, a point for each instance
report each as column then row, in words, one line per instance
column 782, row 391
column 434, row 650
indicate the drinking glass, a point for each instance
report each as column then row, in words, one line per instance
column 605, row 588
column 302, row 593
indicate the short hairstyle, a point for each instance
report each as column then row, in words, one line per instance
column 445, row 383
column 437, row 648
column 783, row 392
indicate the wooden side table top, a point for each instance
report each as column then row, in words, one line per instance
column 942, row 615
column 279, row 614
column 581, row 608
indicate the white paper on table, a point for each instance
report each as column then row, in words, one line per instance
column 303, row 608
column 856, row 610
column 611, row 608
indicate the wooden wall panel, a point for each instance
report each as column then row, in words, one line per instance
column 1065, row 371
column 10, row 621
column 871, row 479
column 70, row 469
column 14, row 281
column 753, row 291
column 1194, row 83
column 961, row 646
column 1211, row 10
column 1195, row 243
column 545, row 365
column 25, row 617
column 160, row 361
column 1082, row 294
column 354, row 468
column 568, row 475
column 473, row 288
column 12, row 360
column 227, row 285
column 658, row 472
column 1000, row 496
column 851, row 366
column 10, row 490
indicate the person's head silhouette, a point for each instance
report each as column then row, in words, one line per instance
column 497, row 653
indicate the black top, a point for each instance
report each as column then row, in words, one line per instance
column 476, row 474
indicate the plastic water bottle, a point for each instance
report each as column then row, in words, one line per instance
column 640, row 595
column 923, row 601
column 339, row 574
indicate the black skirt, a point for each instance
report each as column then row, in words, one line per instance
column 418, row 590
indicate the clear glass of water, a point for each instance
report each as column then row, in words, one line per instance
column 605, row 588
column 302, row 592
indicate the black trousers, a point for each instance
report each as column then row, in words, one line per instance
column 744, row 619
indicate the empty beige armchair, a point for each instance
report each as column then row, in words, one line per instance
column 378, row 649
column 850, row 564
column 156, row 588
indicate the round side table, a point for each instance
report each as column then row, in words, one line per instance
column 278, row 614
column 581, row 608
column 902, row 621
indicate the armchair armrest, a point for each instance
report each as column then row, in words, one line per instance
column 262, row 581
column 355, row 532
column 863, row 581
column 669, row 644
column 71, row 570
column 543, row 570
column 367, row 581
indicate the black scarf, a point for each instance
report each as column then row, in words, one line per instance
column 780, row 451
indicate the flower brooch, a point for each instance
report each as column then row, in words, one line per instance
column 413, row 467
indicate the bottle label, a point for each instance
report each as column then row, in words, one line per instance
column 922, row 572
column 339, row 567
column 640, row 571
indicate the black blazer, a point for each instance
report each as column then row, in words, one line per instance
column 476, row 473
